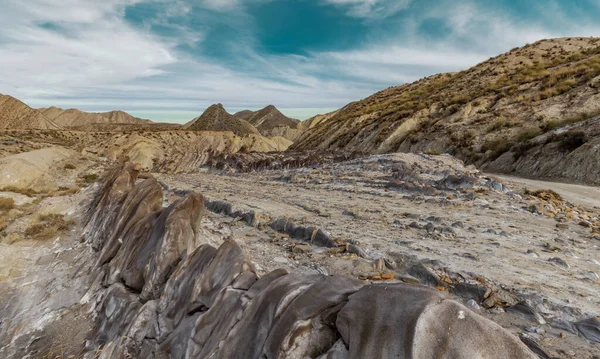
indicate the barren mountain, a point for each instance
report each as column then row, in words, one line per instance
column 271, row 122
column 268, row 118
column 73, row 117
column 244, row 114
column 215, row 118
column 503, row 105
column 123, row 118
column 14, row 114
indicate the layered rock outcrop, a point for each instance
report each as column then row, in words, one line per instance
column 165, row 293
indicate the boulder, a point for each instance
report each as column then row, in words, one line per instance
column 411, row 321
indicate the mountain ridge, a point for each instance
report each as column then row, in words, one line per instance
column 216, row 118
column 15, row 114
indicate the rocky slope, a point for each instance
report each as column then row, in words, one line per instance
column 216, row 118
column 14, row 114
column 477, row 115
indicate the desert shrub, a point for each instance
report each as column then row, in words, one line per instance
column 24, row 191
column 571, row 140
column 529, row 133
column 522, row 148
column 6, row 204
column 500, row 123
column 47, row 226
column 89, row 178
column 497, row 146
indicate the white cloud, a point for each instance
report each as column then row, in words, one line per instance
column 93, row 46
column 371, row 8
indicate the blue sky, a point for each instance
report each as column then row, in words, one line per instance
column 169, row 60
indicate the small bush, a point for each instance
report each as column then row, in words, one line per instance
column 6, row 204
column 498, row 146
column 48, row 225
column 571, row 140
column 89, row 178
column 24, row 191
column 529, row 133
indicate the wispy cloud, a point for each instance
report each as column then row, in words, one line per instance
column 85, row 53
column 371, row 9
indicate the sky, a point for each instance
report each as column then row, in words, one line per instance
column 168, row 60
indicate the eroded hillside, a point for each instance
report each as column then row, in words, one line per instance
column 502, row 105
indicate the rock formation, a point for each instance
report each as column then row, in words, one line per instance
column 166, row 294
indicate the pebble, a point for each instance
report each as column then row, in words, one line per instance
column 415, row 225
column 473, row 304
column 407, row 278
column 458, row 224
column 301, row 248
column 281, row 260
column 559, row 261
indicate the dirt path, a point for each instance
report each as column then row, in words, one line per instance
column 588, row 196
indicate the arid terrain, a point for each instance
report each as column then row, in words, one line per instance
column 418, row 222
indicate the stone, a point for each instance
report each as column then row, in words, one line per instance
column 301, row 248
column 406, row 278
column 423, row 324
column 379, row 264
column 559, row 261
column 589, row 328
column 173, row 304
column 472, row 304
column 144, row 199
column 426, row 275
column 471, row 291
column 525, row 310
column 228, row 263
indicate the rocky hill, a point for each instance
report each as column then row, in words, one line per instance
column 74, row 118
column 123, row 117
column 503, row 105
column 14, row 114
column 216, row 118
column 267, row 119
column 271, row 122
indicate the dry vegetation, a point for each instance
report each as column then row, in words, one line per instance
column 48, row 226
column 6, row 204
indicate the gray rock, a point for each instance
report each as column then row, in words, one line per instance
column 424, row 325
column 590, row 329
